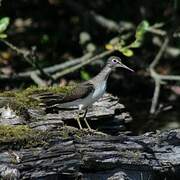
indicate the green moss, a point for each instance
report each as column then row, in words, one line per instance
column 54, row 89
column 69, row 131
column 23, row 99
column 18, row 132
column 20, row 136
column 136, row 155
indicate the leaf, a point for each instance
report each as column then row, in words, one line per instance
column 135, row 44
column 85, row 75
column 44, row 39
column 141, row 29
column 3, row 36
column 109, row 46
column 118, row 47
column 127, row 52
column 122, row 42
column 4, row 22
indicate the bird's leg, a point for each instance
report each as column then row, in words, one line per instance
column 87, row 124
column 78, row 119
column 89, row 128
column 85, row 120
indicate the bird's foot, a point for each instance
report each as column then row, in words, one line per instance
column 95, row 132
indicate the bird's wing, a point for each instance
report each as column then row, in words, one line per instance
column 75, row 92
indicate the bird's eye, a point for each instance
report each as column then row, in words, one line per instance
column 114, row 60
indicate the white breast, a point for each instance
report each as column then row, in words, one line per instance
column 93, row 97
column 100, row 90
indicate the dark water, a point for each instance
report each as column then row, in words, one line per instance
column 136, row 94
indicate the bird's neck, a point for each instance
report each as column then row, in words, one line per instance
column 103, row 75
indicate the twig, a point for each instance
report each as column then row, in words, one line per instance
column 51, row 69
column 29, row 56
column 37, row 66
column 160, row 53
column 110, row 24
column 104, row 22
column 170, row 77
column 71, row 69
column 37, row 80
column 74, row 64
column 172, row 51
column 156, row 76
column 57, row 67
column 19, row 51
column 156, row 96
column 157, row 31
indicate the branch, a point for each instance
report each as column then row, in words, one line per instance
column 37, row 80
column 51, row 69
column 19, row 51
column 74, row 64
column 159, row 54
column 104, row 22
column 110, row 24
column 57, row 67
column 156, row 77
column 155, row 96
column 172, row 51
column 157, row 31
column 29, row 56
column 78, row 66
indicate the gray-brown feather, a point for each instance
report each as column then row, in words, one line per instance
column 78, row 92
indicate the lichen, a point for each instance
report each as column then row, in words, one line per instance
column 18, row 136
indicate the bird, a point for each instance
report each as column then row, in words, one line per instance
column 82, row 95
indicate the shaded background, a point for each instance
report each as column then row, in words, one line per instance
column 54, row 27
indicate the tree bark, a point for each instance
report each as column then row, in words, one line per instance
column 68, row 153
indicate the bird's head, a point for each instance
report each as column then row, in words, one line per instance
column 115, row 61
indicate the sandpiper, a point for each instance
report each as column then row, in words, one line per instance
column 83, row 95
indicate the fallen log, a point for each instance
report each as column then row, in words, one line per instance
column 50, row 146
column 106, row 115
column 102, row 157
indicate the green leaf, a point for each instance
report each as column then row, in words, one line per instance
column 118, row 47
column 85, row 75
column 135, row 44
column 122, row 42
column 127, row 52
column 4, row 22
column 44, row 39
column 109, row 46
column 141, row 29
column 3, row 36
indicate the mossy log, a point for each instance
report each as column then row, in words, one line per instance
column 97, row 157
column 50, row 146
column 106, row 115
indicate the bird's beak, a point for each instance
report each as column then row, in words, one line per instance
column 124, row 66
